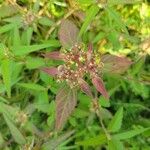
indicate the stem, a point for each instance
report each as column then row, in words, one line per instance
column 102, row 124
column 98, row 113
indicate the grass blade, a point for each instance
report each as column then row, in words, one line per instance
column 116, row 121
column 23, row 50
column 18, row 137
column 32, row 86
column 130, row 134
column 6, row 73
column 98, row 140
column 91, row 14
column 6, row 28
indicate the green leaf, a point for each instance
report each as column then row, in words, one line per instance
column 18, row 137
column 12, row 110
column 16, row 20
column 133, row 106
column 86, row 102
column 23, row 50
column 7, row 10
column 1, row 140
column 130, row 134
column 115, row 144
column 16, row 74
column 85, row 2
column 137, row 67
column 104, row 102
column 116, row 17
column 90, row 16
column 36, row 6
column 55, row 142
column 113, row 37
column 16, row 36
column 51, row 118
column 42, row 103
column 45, row 21
column 6, row 73
column 116, row 122
column 139, row 89
column 34, row 62
column 27, row 36
column 80, row 113
column 3, row 100
column 31, row 86
column 2, row 51
column 3, row 88
column 6, row 28
column 99, row 36
column 98, row 140
column 46, row 78
column 122, row 2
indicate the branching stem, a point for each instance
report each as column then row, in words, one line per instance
column 98, row 113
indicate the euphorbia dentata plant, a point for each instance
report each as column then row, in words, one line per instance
column 79, row 63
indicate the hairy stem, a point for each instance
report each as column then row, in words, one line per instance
column 98, row 113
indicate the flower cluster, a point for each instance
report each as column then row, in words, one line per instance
column 78, row 63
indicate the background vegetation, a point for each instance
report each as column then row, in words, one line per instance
column 29, row 28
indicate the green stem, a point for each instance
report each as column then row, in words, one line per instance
column 98, row 113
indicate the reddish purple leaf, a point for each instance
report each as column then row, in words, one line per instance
column 80, row 14
column 66, row 100
column 54, row 55
column 90, row 51
column 98, row 83
column 115, row 64
column 68, row 33
column 51, row 71
column 85, row 87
